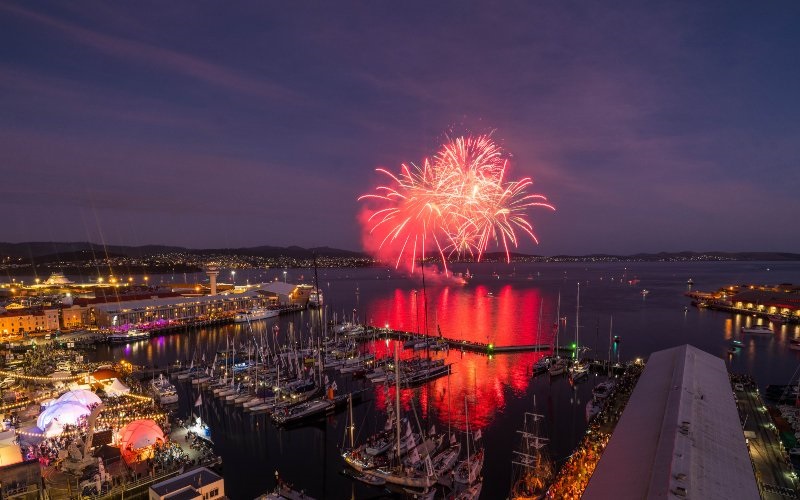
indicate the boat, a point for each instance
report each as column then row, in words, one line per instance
column 557, row 365
column 532, row 469
column 364, row 477
column 593, row 407
column 285, row 491
column 309, row 409
column 255, row 314
column 315, row 298
column 645, row 292
column 131, row 335
column 737, row 343
column 690, row 282
column 472, row 492
column 759, row 329
column 602, row 390
column 468, row 471
column 541, row 366
column 387, row 465
column 578, row 371
column 794, row 346
column 163, row 391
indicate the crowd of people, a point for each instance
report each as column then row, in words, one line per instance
column 574, row 475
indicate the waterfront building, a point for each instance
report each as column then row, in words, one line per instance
column 28, row 320
column 191, row 308
column 74, row 316
column 679, row 435
column 197, row 484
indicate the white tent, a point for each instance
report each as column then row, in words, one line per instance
column 81, row 396
column 116, row 389
column 61, row 413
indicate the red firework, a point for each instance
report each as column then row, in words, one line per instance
column 456, row 204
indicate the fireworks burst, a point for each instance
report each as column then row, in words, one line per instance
column 456, row 203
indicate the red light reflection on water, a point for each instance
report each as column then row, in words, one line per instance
column 503, row 318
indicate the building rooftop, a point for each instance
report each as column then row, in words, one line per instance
column 679, row 436
column 195, row 479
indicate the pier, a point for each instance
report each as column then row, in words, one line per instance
column 462, row 345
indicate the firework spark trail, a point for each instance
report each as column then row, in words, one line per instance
column 455, row 204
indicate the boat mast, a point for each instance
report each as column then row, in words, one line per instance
column 610, row 327
column 397, row 399
column 539, row 329
column 558, row 322
column 466, row 416
column 352, row 423
column 577, row 314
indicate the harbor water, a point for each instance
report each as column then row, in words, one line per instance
column 502, row 305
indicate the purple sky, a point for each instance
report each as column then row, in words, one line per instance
column 668, row 126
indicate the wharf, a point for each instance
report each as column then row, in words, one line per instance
column 774, row 474
column 705, row 300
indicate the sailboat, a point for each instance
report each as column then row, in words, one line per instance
column 578, row 370
column 559, row 364
column 532, row 469
column 391, row 469
column 468, row 471
column 602, row 390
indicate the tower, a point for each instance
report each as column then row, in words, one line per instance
column 212, row 272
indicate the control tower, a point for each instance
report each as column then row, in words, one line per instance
column 212, row 272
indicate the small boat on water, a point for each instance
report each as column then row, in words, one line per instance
column 364, row 477
column 255, row 314
column 602, row 390
column 557, row 367
column 758, row 329
column 737, row 343
column 131, row 335
column 593, row 407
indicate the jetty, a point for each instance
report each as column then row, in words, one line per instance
column 459, row 344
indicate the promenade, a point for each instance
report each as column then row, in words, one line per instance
column 774, row 473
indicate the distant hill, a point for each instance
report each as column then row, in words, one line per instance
column 42, row 252
column 73, row 251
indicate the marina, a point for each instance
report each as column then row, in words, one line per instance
column 278, row 387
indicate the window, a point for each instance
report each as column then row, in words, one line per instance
column 213, row 493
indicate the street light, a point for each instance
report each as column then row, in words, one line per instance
column 284, row 276
column 233, row 277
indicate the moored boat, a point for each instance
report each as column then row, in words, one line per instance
column 131, row 335
column 758, row 329
column 255, row 314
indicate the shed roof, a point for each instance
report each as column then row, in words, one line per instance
column 680, row 429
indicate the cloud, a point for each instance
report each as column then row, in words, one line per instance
column 163, row 58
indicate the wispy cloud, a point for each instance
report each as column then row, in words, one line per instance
column 165, row 59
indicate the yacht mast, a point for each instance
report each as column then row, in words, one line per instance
column 577, row 314
column 397, row 399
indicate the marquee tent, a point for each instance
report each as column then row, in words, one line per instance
column 140, row 434
column 61, row 413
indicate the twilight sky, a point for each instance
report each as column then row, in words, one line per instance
column 649, row 125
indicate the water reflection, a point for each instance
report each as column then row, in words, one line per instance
column 503, row 311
